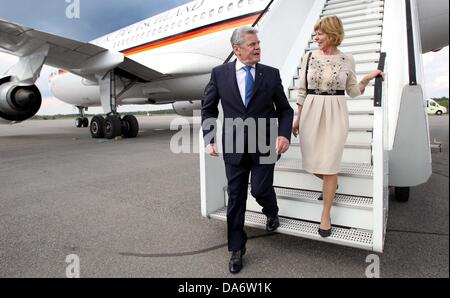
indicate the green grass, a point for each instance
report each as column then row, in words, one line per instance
column 443, row 101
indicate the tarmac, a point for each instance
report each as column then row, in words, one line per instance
column 131, row 208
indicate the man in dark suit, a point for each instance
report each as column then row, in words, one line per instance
column 253, row 101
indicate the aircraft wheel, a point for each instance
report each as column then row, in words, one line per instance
column 112, row 127
column 96, row 127
column 130, row 126
column 85, row 122
column 79, row 122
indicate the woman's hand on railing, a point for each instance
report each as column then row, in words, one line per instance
column 366, row 80
column 375, row 74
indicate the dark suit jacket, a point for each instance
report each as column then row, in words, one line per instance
column 268, row 102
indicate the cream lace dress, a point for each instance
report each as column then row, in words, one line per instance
column 324, row 118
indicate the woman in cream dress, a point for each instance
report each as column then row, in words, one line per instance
column 322, row 119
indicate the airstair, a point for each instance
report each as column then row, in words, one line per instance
column 360, row 209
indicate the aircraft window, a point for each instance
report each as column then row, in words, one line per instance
column 221, row 9
column 230, row 6
column 203, row 15
column 187, row 21
column 211, row 12
column 240, row 3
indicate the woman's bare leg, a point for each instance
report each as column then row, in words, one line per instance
column 329, row 192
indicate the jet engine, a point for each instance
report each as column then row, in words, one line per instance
column 18, row 102
column 187, row 108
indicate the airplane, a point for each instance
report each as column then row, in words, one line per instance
column 164, row 59
column 168, row 58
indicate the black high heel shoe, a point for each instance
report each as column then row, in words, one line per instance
column 325, row 233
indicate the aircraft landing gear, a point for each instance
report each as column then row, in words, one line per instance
column 81, row 121
column 113, row 126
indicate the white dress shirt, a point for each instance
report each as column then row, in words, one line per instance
column 240, row 77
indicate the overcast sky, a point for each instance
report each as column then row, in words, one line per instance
column 99, row 17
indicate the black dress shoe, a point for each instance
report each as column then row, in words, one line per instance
column 272, row 223
column 235, row 264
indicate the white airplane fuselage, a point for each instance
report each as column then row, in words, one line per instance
column 186, row 42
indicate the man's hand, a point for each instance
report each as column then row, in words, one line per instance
column 211, row 149
column 282, row 145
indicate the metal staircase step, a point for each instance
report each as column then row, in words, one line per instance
column 364, row 32
column 354, row 179
column 362, row 203
column 331, row 5
column 334, row 2
column 356, row 10
column 348, row 211
column 343, row 236
column 359, row 170
column 360, row 137
column 351, row 154
column 351, row 16
column 362, row 20
column 358, row 104
column 350, row 27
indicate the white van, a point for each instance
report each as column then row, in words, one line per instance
column 435, row 108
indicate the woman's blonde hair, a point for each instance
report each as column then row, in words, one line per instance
column 333, row 28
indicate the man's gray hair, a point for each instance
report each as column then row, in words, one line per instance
column 237, row 39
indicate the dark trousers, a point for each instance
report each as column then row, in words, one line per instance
column 261, row 189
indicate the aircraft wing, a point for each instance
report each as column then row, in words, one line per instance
column 84, row 59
